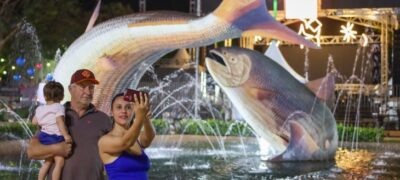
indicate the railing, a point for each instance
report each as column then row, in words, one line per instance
column 395, row 91
column 371, row 110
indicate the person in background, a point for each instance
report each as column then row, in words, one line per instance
column 122, row 149
column 50, row 118
column 86, row 125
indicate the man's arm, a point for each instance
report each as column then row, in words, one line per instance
column 38, row 151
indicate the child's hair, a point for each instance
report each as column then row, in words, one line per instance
column 53, row 91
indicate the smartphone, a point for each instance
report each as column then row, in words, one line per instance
column 129, row 94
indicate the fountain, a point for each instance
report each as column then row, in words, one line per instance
column 219, row 156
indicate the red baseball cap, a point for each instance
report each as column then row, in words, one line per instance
column 83, row 75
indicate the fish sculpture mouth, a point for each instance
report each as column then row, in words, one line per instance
column 220, row 68
column 217, row 57
column 228, row 70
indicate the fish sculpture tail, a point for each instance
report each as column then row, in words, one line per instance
column 252, row 17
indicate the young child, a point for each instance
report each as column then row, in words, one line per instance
column 50, row 118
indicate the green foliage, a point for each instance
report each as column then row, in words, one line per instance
column 161, row 126
column 22, row 112
column 16, row 129
column 213, row 127
column 219, row 128
column 346, row 133
column 2, row 116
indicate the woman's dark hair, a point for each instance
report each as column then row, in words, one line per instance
column 115, row 97
column 53, row 91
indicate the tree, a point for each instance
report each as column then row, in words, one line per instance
column 56, row 24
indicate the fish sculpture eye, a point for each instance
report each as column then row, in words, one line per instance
column 233, row 60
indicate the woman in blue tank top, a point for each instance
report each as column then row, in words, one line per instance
column 122, row 149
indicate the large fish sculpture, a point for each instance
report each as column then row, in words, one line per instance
column 120, row 50
column 283, row 111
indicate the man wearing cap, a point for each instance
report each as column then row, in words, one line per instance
column 86, row 125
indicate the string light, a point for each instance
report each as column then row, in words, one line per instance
column 13, row 67
column 2, row 60
column 257, row 38
column 4, row 72
column 48, row 64
column 314, row 26
column 364, row 40
column 348, row 32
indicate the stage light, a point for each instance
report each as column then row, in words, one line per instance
column 301, row 9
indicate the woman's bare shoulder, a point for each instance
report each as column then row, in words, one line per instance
column 106, row 139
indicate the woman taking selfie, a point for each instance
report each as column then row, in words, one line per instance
column 122, row 149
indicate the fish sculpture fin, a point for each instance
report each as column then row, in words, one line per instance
column 275, row 54
column 263, row 94
column 323, row 88
column 278, row 31
column 301, row 144
column 94, row 16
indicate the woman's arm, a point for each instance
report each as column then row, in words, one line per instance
column 148, row 134
column 111, row 145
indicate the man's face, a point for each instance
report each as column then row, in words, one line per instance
column 82, row 93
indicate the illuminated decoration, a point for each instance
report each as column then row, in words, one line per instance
column 348, row 32
column 257, row 38
column 301, row 9
column 314, row 27
column 364, row 40
column 275, row 43
column 17, row 77
column 49, row 77
column 39, row 65
column 30, row 71
column 48, row 64
column 278, row 43
column 13, row 67
column 275, row 8
column 20, row 61
column 4, row 72
column 2, row 60
column 228, row 42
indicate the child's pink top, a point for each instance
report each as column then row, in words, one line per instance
column 46, row 117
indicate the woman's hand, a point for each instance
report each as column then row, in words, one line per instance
column 141, row 105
